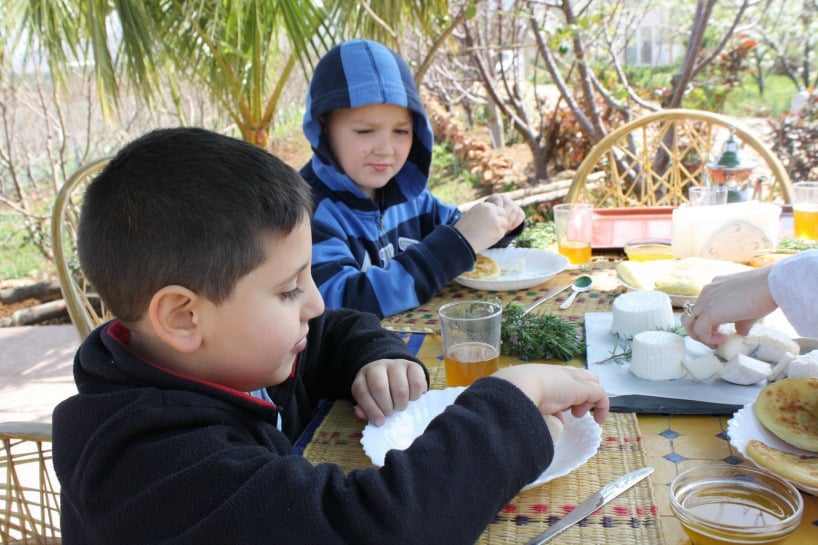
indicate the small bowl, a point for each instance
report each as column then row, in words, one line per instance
column 649, row 249
column 725, row 504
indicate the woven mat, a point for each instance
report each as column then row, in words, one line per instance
column 632, row 518
column 599, row 298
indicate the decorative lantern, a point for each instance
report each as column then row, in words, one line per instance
column 732, row 171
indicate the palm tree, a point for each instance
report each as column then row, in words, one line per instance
column 242, row 51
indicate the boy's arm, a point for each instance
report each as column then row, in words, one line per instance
column 431, row 258
column 340, row 343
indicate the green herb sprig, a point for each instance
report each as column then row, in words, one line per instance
column 539, row 336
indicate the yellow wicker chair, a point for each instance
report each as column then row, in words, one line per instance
column 29, row 490
column 652, row 160
column 84, row 307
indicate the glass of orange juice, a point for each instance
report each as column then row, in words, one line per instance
column 805, row 210
column 470, row 333
column 574, row 224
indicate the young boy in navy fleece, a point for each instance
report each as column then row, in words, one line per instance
column 200, row 246
column 382, row 242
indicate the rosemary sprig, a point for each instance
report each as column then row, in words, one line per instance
column 625, row 345
column 539, row 336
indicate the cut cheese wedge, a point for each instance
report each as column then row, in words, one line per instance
column 704, row 367
column 658, row 355
column 744, row 370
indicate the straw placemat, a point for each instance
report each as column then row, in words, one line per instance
column 632, row 518
column 606, row 287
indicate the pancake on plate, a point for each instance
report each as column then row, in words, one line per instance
column 485, row 268
column 795, row 467
column 789, row 410
column 675, row 277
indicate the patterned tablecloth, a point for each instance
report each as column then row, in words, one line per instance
column 606, row 287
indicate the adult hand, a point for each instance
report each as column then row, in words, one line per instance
column 741, row 298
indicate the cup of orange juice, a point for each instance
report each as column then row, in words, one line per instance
column 805, row 210
column 470, row 333
column 574, row 225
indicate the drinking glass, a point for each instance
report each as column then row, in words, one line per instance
column 805, row 210
column 707, row 195
column 471, row 340
column 574, row 223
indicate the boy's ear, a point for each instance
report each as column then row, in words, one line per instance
column 174, row 315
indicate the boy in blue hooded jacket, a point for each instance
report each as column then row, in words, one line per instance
column 381, row 242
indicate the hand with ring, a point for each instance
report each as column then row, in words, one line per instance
column 740, row 298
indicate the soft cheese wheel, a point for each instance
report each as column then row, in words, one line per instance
column 641, row 310
column 658, row 355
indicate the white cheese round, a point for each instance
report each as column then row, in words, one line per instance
column 658, row 355
column 641, row 310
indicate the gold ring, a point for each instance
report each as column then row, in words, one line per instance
column 688, row 308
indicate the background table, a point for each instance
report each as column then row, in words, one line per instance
column 670, row 444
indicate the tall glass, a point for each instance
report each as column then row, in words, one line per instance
column 805, row 210
column 471, row 340
column 574, row 224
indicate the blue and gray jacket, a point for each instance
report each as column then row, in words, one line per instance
column 395, row 252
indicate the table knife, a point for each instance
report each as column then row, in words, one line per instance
column 596, row 501
column 546, row 297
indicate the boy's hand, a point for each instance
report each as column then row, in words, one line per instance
column 385, row 386
column 487, row 222
column 556, row 388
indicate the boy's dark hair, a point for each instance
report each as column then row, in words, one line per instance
column 184, row 206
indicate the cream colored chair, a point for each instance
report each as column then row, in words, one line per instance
column 652, row 160
column 29, row 490
column 84, row 307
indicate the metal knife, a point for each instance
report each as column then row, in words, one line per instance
column 546, row 297
column 596, row 501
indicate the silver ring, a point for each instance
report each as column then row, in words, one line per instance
column 688, row 308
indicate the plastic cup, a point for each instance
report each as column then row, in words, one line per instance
column 805, row 210
column 707, row 195
column 574, row 224
column 471, row 340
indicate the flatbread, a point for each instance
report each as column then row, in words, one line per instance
column 484, row 269
column 789, row 409
column 795, row 467
column 675, row 277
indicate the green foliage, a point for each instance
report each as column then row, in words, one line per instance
column 20, row 257
column 540, row 235
column 747, row 100
column 539, row 336
column 449, row 179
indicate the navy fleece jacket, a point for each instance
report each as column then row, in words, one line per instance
column 146, row 456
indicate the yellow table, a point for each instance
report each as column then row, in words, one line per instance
column 670, row 444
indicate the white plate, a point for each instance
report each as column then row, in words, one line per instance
column 540, row 266
column 745, row 426
column 579, row 441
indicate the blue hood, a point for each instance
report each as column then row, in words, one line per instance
column 359, row 73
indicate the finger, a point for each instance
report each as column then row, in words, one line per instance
column 398, row 389
column 417, row 381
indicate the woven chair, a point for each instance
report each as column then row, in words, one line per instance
column 84, row 306
column 652, row 160
column 29, row 490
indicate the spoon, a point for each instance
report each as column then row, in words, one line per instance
column 583, row 283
